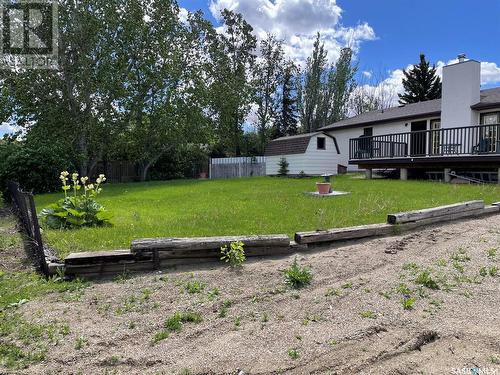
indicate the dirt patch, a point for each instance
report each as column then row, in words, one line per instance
column 430, row 307
column 12, row 254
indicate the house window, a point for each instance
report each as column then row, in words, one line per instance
column 436, row 136
column 321, row 143
column 490, row 118
column 490, row 136
column 368, row 132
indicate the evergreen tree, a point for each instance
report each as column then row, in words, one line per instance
column 420, row 83
column 283, row 167
column 288, row 117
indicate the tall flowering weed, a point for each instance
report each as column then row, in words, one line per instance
column 79, row 207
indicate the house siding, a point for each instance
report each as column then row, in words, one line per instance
column 343, row 136
column 312, row 162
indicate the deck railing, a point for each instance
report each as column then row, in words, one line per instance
column 467, row 140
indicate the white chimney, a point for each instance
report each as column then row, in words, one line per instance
column 461, row 89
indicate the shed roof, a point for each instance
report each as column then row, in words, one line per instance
column 290, row 145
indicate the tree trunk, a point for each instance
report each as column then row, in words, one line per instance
column 144, row 168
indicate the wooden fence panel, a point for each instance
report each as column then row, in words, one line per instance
column 24, row 207
column 237, row 167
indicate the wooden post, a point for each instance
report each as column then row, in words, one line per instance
column 369, row 174
column 403, row 174
column 209, row 168
column 498, row 176
column 447, row 177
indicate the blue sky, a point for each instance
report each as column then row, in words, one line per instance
column 401, row 28
column 388, row 35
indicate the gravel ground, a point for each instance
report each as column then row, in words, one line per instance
column 350, row 320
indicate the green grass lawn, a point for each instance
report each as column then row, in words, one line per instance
column 259, row 205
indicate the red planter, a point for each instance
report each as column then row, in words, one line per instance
column 323, row 187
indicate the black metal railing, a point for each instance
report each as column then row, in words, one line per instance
column 467, row 140
column 24, row 206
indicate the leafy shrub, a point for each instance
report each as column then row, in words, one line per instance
column 297, row 276
column 283, row 164
column 77, row 209
column 234, row 254
column 35, row 168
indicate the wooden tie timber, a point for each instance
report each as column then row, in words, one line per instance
column 156, row 253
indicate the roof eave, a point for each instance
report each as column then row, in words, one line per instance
column 395, row 119
column 485, row 105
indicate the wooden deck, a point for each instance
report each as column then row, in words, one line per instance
column 464, row 147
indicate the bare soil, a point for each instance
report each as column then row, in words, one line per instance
column 350, row 320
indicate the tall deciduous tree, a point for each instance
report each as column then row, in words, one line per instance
column 372, row 94
column 421, row 83
column 337, row 89
column 311, row 93
column 232, row 56
column 162, row 80
column 72, row 105
column 268, row 73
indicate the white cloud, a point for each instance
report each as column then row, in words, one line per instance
column 6, row 128
column 490, row 73
column 393, row 84
column 297, row 22
column 183, row 15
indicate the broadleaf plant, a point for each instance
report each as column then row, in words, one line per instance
column 79, row 208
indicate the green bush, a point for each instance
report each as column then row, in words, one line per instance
column 35, row 168
column 296, row 276
column 77, row 209
column 234, row 254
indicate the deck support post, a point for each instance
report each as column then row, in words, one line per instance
column 447, row 177
column 403, row 174
column 498, row 176
column 369, row 174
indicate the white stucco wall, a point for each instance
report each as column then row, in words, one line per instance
column 312, row 162
column 461, row 89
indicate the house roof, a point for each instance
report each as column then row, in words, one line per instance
column 489, row 98
column 295, row 144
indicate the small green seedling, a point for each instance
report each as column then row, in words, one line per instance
column 368, row 314
column 195, row 286
column 293, row 353
column 493, row 271
column 296, row 276
column 424, row 278
column 347, row 285
column 408, row 303
column 234, row 254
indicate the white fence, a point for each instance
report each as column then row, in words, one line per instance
column 238, row 167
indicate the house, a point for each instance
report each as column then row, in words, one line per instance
column 311, row 154
column 459, row 132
